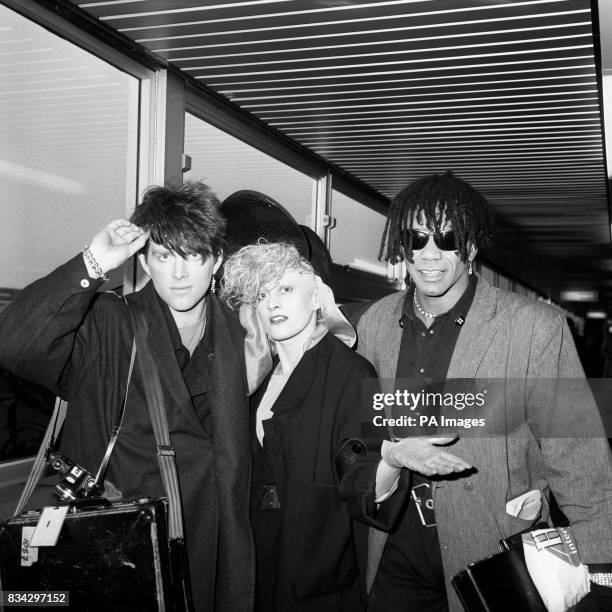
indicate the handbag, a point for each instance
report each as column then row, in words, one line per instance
column 121, row 556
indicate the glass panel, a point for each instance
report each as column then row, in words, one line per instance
column 227, row 164
column 504, row 282
column 68, row 161
column 356, row 238
column 68, row 126
column 487, row 274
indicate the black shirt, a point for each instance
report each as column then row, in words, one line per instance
column 425, row 354
column 194, row 367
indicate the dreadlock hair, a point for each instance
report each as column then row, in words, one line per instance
column 184, row 219
column 433, row 199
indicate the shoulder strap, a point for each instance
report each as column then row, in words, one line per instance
column 155, row 403
column 99, row 479
column 55, row 424
column 48, row 442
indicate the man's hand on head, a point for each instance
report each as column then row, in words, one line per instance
column 423, row 455
column 116, row 243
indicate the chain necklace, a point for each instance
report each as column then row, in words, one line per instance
column 191, row 342
column 427, row 315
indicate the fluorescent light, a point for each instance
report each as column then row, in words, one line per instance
column 46, row 180
column 596, row 314
column 579, row 296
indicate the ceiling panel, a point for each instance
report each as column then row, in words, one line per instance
column 504, row 93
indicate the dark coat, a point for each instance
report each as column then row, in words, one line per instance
column 62, row 334
column 316, row 412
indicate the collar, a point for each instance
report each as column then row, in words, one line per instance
column 175, row 336
column 461, row 308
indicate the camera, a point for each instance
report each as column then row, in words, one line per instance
column 77, row 482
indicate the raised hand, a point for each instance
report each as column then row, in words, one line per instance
column 423, row 455
column 117, row 242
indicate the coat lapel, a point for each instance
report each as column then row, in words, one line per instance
column 477, row 334
column 229, row 411
column 301, row 391
column 228, row 392
column 390, row 341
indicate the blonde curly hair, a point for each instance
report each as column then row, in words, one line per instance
column 259, row 266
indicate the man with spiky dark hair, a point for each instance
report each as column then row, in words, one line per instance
column 62, row 333
column 451, row 324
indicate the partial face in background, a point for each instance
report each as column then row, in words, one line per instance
column 288, row 308
column 181, row 282
column 435, row 271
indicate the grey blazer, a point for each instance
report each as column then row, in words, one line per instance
column 513, row 338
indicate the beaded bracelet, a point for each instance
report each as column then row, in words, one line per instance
column 91, row 260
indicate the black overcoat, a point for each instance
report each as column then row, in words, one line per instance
column 316, row 413
column 61, row 333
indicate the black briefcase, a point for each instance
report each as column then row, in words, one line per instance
column 501, row 582
column 106, row 558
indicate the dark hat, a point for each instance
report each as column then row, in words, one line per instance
column 318, row 255
column 252, row 215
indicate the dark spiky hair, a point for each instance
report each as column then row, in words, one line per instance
column 436, row 198
column 185, row 219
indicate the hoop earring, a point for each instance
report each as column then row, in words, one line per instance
column 213, row 285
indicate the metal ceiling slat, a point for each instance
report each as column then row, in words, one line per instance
column 262, row 41
column 397, row 94
column 464, row 116
column 113, row 8
column 391, row 48
column 496, row 68
column 514, row 106
column 534, row 73
column 235, row 11
column 367, row 39
column 384, row 128
column 427, row 63
column 444, row 11
column 543, row 165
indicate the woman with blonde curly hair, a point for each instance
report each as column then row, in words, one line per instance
column 304, row 413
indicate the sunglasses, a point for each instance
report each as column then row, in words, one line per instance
column 418, row 239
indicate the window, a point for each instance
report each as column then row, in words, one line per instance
column 355, row 241
column 68, row 143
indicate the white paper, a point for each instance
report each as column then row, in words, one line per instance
column 49, row 526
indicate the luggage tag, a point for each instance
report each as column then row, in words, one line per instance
column 29, row 553
column 49, row 526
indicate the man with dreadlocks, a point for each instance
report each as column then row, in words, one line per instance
column 451, row 324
